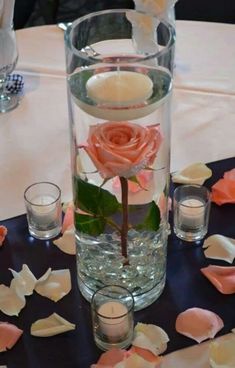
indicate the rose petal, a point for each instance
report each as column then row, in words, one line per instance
column 150, row 337
column 222, row 353
column 3, row 233
column 54, row 284
column 193, row 174
column 223, row 191
column 135, row 360
column 230, row 174
column 24, row 281
column 9, row 335
column 66, row 243
column 112, row 357
column 220, row 247
column 198, row 324
column 223, row 278
column 146, row 354
column 50, row 326
column 10, row 302
column 68, row 221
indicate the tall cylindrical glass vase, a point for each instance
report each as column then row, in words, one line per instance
column 119, row 76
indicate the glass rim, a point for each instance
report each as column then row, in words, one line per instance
column 128, row 294
column 42, row 182
column 149, row 56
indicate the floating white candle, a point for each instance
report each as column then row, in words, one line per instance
column 120, row 88
column 113, row 320
column 191, row 213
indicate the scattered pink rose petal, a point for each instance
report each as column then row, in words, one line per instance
column 68, row 221
column 97, row 365
column 223, row 191
column 223, row 278
column 3, row 233
column 112, row 357
column 198, row 324
column 146, row 354
column 135, row 361
column 9, row 335
column 230, row 174
column 135, row 357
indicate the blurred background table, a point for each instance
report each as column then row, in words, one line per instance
column 34, row 138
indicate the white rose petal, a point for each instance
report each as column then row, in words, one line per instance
column 66, row 243
column 54, row 284
column 222, row 353
column 150, row 337
column 10, row 302
column 220, row 247
column 196, row 173
column 24, row 281
column 50, row 326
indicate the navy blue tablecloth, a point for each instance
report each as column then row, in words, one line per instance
column 186, row 287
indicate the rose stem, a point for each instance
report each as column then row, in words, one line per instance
column 124, row 230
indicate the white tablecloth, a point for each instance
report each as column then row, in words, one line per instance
column 34, row 138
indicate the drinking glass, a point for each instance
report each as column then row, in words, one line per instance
column 8, row 60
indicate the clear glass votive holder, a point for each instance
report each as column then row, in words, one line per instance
column 191, row 212
column 43, row 210
column 112, row 317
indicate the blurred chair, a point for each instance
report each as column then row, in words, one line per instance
column 36, row 12
column 206, row 10
column 22, row 12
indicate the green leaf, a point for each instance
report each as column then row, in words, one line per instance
column 89, row 224
column 152, row 220
column 95, row 200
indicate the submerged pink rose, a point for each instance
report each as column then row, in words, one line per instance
column 122, row 148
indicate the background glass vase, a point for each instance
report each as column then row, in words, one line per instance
column 119, row 66
column 8, row 60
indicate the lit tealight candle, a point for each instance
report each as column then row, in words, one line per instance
column 192, row 212
column 113, row 320
column 44, row 209
column 121, row 88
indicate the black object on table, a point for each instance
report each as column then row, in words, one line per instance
column 186, row 287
